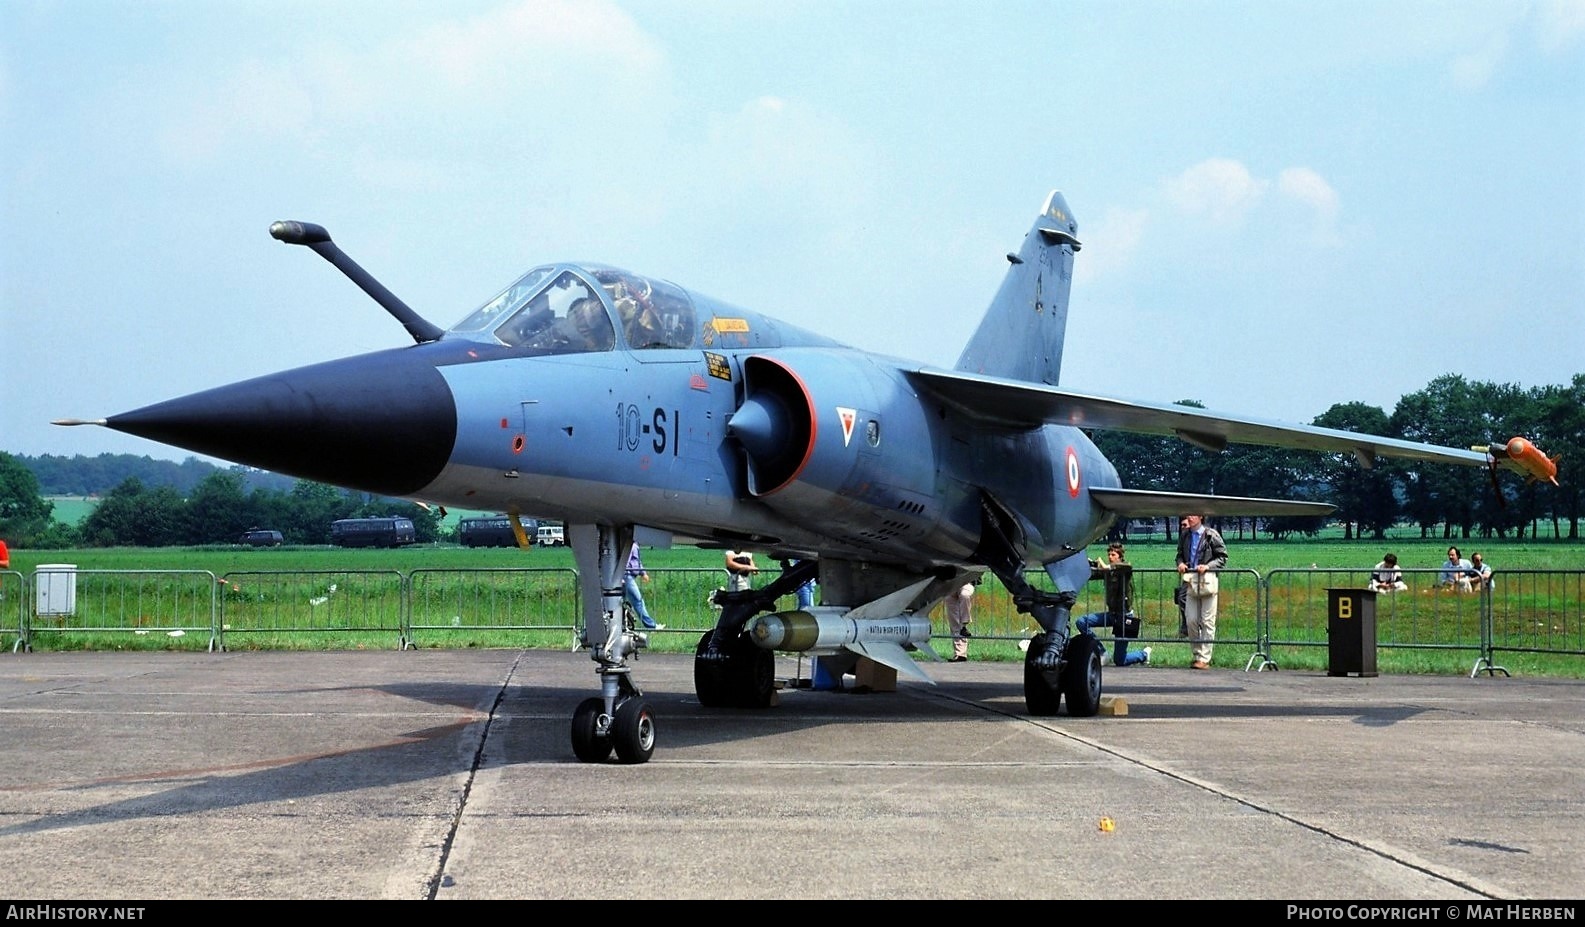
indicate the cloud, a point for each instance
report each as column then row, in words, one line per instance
column 500, row 80
column 1111, row 242
column 1560, row 24
column 1220, row 190
column 1474, row 69
column 790, row 160
column 1557, row 26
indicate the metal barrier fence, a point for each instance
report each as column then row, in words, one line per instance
column 13, row 606
column 72, row 604
column 680, row 598
column 1240, row 609
column 1525, row 611
column 1536, row 611
column 505, row 599
column 1424, row 616
column 312, row 602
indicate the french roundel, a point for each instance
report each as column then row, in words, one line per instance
column 1073, row 473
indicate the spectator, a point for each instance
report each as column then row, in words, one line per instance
column 631, row 592
column 1480, row 575
column 1180, row 593
column 805, row 592
column 1201, row 553
column 1119, row 579
column 1386, row 577
column 740, row 568
column 1455, row 572
column 960, row 611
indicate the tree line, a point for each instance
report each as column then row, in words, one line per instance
column 1443, row 501
column 216, row 511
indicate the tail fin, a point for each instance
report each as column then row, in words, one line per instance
column 1022, row 332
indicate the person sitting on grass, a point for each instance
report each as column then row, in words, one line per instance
column 1386, row 577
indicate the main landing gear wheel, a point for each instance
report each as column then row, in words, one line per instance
column 588, row 744
column 1081, row 675
column 744, row 676
column 1042, row 697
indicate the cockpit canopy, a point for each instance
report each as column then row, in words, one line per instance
column 568, row 310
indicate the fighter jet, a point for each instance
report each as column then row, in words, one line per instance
column 629, row 407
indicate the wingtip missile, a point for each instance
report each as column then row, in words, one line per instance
column 1521, row 454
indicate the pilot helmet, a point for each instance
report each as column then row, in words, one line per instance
column 589, row 318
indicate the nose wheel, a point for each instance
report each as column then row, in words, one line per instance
column 629, row 731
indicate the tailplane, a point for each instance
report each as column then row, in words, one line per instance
column 1022, row 332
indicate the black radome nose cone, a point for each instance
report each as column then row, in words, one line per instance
column 382, row 423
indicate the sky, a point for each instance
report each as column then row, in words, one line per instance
column 1283, row 205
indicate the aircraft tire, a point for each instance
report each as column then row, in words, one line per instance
column 633, row 731
column 745, row 679
column 752, row 676
column 709, row 682
column 1081, row 675
column 587, row 745
column 1042, row 697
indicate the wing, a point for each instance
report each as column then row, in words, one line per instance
column 1146, row 503
column 1018, row 404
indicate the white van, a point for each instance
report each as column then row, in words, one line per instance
column 550, row 536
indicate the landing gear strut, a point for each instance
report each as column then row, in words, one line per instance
column 620, row 718
column 1056, row 664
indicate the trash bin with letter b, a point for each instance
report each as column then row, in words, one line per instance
column 1351, row 632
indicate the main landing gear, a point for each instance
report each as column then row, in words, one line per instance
column 1078, row 677
column 729, row 671
column 1055, row 664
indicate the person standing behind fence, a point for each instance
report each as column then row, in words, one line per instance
column 805, row 594
column 960, row 611
column 1180, row 593
column 630, row 591
column 740, row 568
column 1386, row 577
column 1201, row 553
column 1119, row 579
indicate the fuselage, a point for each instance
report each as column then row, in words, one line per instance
column 666, row 409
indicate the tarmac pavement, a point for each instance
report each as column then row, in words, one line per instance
column 449, row 774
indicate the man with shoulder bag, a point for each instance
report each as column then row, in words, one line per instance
column 1201, row 553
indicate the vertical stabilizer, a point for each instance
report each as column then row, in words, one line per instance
column 1021, row 334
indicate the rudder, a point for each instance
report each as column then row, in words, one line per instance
column 1022, row 332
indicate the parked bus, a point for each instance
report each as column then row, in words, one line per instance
column 372, row 532
column 491, row 531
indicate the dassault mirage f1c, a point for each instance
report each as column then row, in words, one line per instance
column 627, row 406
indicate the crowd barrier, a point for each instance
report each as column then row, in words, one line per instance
column 1271, row 617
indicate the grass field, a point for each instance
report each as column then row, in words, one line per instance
column 1244, row 553
column 332, row 598
column 70, row 510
